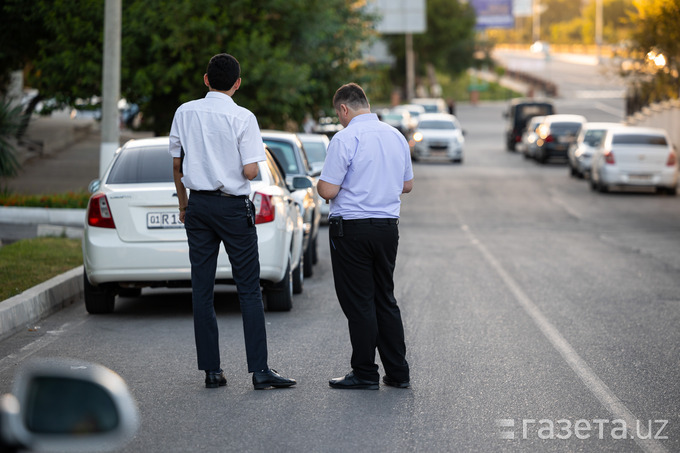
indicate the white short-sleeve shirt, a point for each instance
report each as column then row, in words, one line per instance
column 370, row 161
column 219, row 138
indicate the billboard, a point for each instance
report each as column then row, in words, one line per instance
column 493, row 13
column 399, row 16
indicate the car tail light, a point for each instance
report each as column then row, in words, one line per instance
column 609, row 157
column 672, row 159
column 98, row 212
column 264, row 208
column 549, row 139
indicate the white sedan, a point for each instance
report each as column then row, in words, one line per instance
column 133, row 237
column 438, row 135
column 635, row 157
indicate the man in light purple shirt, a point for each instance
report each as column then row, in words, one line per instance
column 367, row 168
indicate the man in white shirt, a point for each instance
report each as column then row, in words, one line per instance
column 216, row 145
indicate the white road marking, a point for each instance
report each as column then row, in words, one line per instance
column 598, row 388
column 31, row 348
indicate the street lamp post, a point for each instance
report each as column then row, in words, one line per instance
column 110, row 83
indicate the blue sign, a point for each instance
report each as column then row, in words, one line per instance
column 494, row 13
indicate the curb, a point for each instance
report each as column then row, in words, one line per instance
column 20, row 215
column 20, row 311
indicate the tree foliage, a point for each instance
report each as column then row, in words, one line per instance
column 293, row 53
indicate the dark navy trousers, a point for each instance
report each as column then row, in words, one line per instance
column 363, row 262
column 211, row 220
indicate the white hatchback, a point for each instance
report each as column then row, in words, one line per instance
column 635, row 157
column 133, row 237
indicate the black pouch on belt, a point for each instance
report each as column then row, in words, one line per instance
column 335, row 227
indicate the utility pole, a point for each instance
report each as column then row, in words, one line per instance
column 110, row 83
column 536, row 13
column 410, row 68
column 598, row 29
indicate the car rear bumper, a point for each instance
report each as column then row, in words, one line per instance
column 450, row 151
column 616, row 177
column 107, row 259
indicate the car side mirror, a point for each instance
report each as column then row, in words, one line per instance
column 302, row 182
column 94, row 185
column 61, row 405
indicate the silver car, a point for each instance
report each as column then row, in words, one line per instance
column 635, row 157
column 581, row 153
column 438, row 135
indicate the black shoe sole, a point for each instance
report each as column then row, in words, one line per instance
column 356, row 386
column 214, row 385
column 399, row 385
column 276, row 386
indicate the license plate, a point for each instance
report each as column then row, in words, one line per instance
column 640, row 177
column 158, row 220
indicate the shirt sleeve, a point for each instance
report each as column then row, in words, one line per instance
column 175, row 144
column 408, row 168
column 336, row 164
column 250, row 145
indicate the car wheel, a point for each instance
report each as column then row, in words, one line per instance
column 602, row 188
column 279, row 296
column 98, row 299
column 315, row 251
column 673, row 191
column 458, row 160
column 309, row 259
column 299, row 275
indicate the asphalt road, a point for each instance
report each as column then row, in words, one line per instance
column 539, row 316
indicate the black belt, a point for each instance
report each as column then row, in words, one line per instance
column 372, row 221
column 218, row 193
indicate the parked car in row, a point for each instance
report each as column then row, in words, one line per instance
column 518, row 114
column 438, row 135
column 290, row 153
column 399, row 119
column 316, row 147
column 529, row 137
column 635, row 157
column 580, row 153
column 133, row 237
column 556, row 134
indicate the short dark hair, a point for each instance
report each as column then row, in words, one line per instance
column 223, row 72
column 352, row 95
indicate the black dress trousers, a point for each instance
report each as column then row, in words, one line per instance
column 363, row 262
column 211, row 220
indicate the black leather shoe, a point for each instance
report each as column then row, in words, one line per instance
column 352, row 382
column 398, row 384
column 215, row 379
column 270, row 378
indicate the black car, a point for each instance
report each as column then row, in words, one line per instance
column 518, row 115
column 555, row 135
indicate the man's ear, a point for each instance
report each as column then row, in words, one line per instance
column 205, row 80
column 237, row 84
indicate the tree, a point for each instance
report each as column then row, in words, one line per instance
column 293, row 53
column 655, row 33
column 448, row 43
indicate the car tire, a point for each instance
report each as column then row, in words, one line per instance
column 308, row 258
column 315, row 251
column 602, row 188
column 672, row 191
column 458, row 160
column 299, row 275
column 98, row 299
column 279, row 296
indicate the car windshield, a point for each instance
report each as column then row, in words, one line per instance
column 316, row 151
column 529, row 110
column 594, row 137
column 285, row 154
column 434, row 124
column 565, row 128
column 639, row 139
column 142, row 165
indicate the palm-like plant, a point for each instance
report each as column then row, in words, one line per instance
column 10, row 121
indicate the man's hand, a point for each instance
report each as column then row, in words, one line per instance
column 179, row 186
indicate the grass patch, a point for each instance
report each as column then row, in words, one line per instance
column 26, row 263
